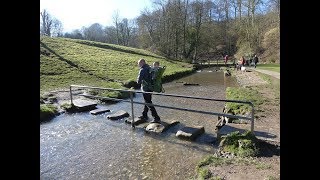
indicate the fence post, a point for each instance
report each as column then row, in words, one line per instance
column 71, row 95
column 131, row 99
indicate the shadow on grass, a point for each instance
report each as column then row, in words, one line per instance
column 72, row 64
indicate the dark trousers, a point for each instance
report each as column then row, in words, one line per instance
column 147, row 99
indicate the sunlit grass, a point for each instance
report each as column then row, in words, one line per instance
column 67, row 61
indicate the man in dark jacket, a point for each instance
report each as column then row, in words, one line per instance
column 255, row 60
column 144, row 78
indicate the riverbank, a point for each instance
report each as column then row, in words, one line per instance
column 267, row 120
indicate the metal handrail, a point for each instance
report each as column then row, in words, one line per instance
column 170, row 107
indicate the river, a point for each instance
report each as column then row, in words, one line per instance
column 85, row 146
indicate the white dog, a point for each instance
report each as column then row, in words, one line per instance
column 243, row 69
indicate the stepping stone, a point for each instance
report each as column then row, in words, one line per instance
column 137, row 121
column 83, row 105
column 99, row 111
column 190, row 132
column 118, row 115
column 160, row 127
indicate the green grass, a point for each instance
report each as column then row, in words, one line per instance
column 243, row 94
column 47, row 111
column 67, row 61
column 270, row 67
column 216, row 161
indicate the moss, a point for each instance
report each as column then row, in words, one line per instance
column 213, row 160
column 47, row 111
column 66, row 106
column 204, row 173
column 243, row 145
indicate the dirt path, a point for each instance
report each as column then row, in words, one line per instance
column 271, row 73
column 268, row 115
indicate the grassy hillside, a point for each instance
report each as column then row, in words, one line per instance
column 68, row 61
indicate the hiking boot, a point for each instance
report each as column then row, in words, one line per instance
column 157, row 120
column 143, row 118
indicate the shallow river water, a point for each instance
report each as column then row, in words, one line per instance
column 85, row 146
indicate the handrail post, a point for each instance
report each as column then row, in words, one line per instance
column 252, row 119
column 131, row 99
column 71, row 95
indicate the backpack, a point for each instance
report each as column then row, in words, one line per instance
column 156, row 79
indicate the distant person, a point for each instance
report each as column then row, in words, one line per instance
column 241, row 63
column 226, row 58
column 249, row 62
column 255, row 60
column 144, row 78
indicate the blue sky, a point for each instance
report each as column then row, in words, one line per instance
column 77, row 13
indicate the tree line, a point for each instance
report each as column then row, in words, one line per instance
column 191, row 30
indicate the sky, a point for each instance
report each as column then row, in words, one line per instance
column 74, row 14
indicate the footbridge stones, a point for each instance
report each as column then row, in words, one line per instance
column 189, row 133
column 137, row 121
column 99, row 111
column 118, row 115
column 80, row 105
column 160, row 127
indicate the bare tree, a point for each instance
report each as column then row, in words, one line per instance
column 115, row 18
column 45, row 23
column 125, row 28
column 50, row 26
column 57, row 28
